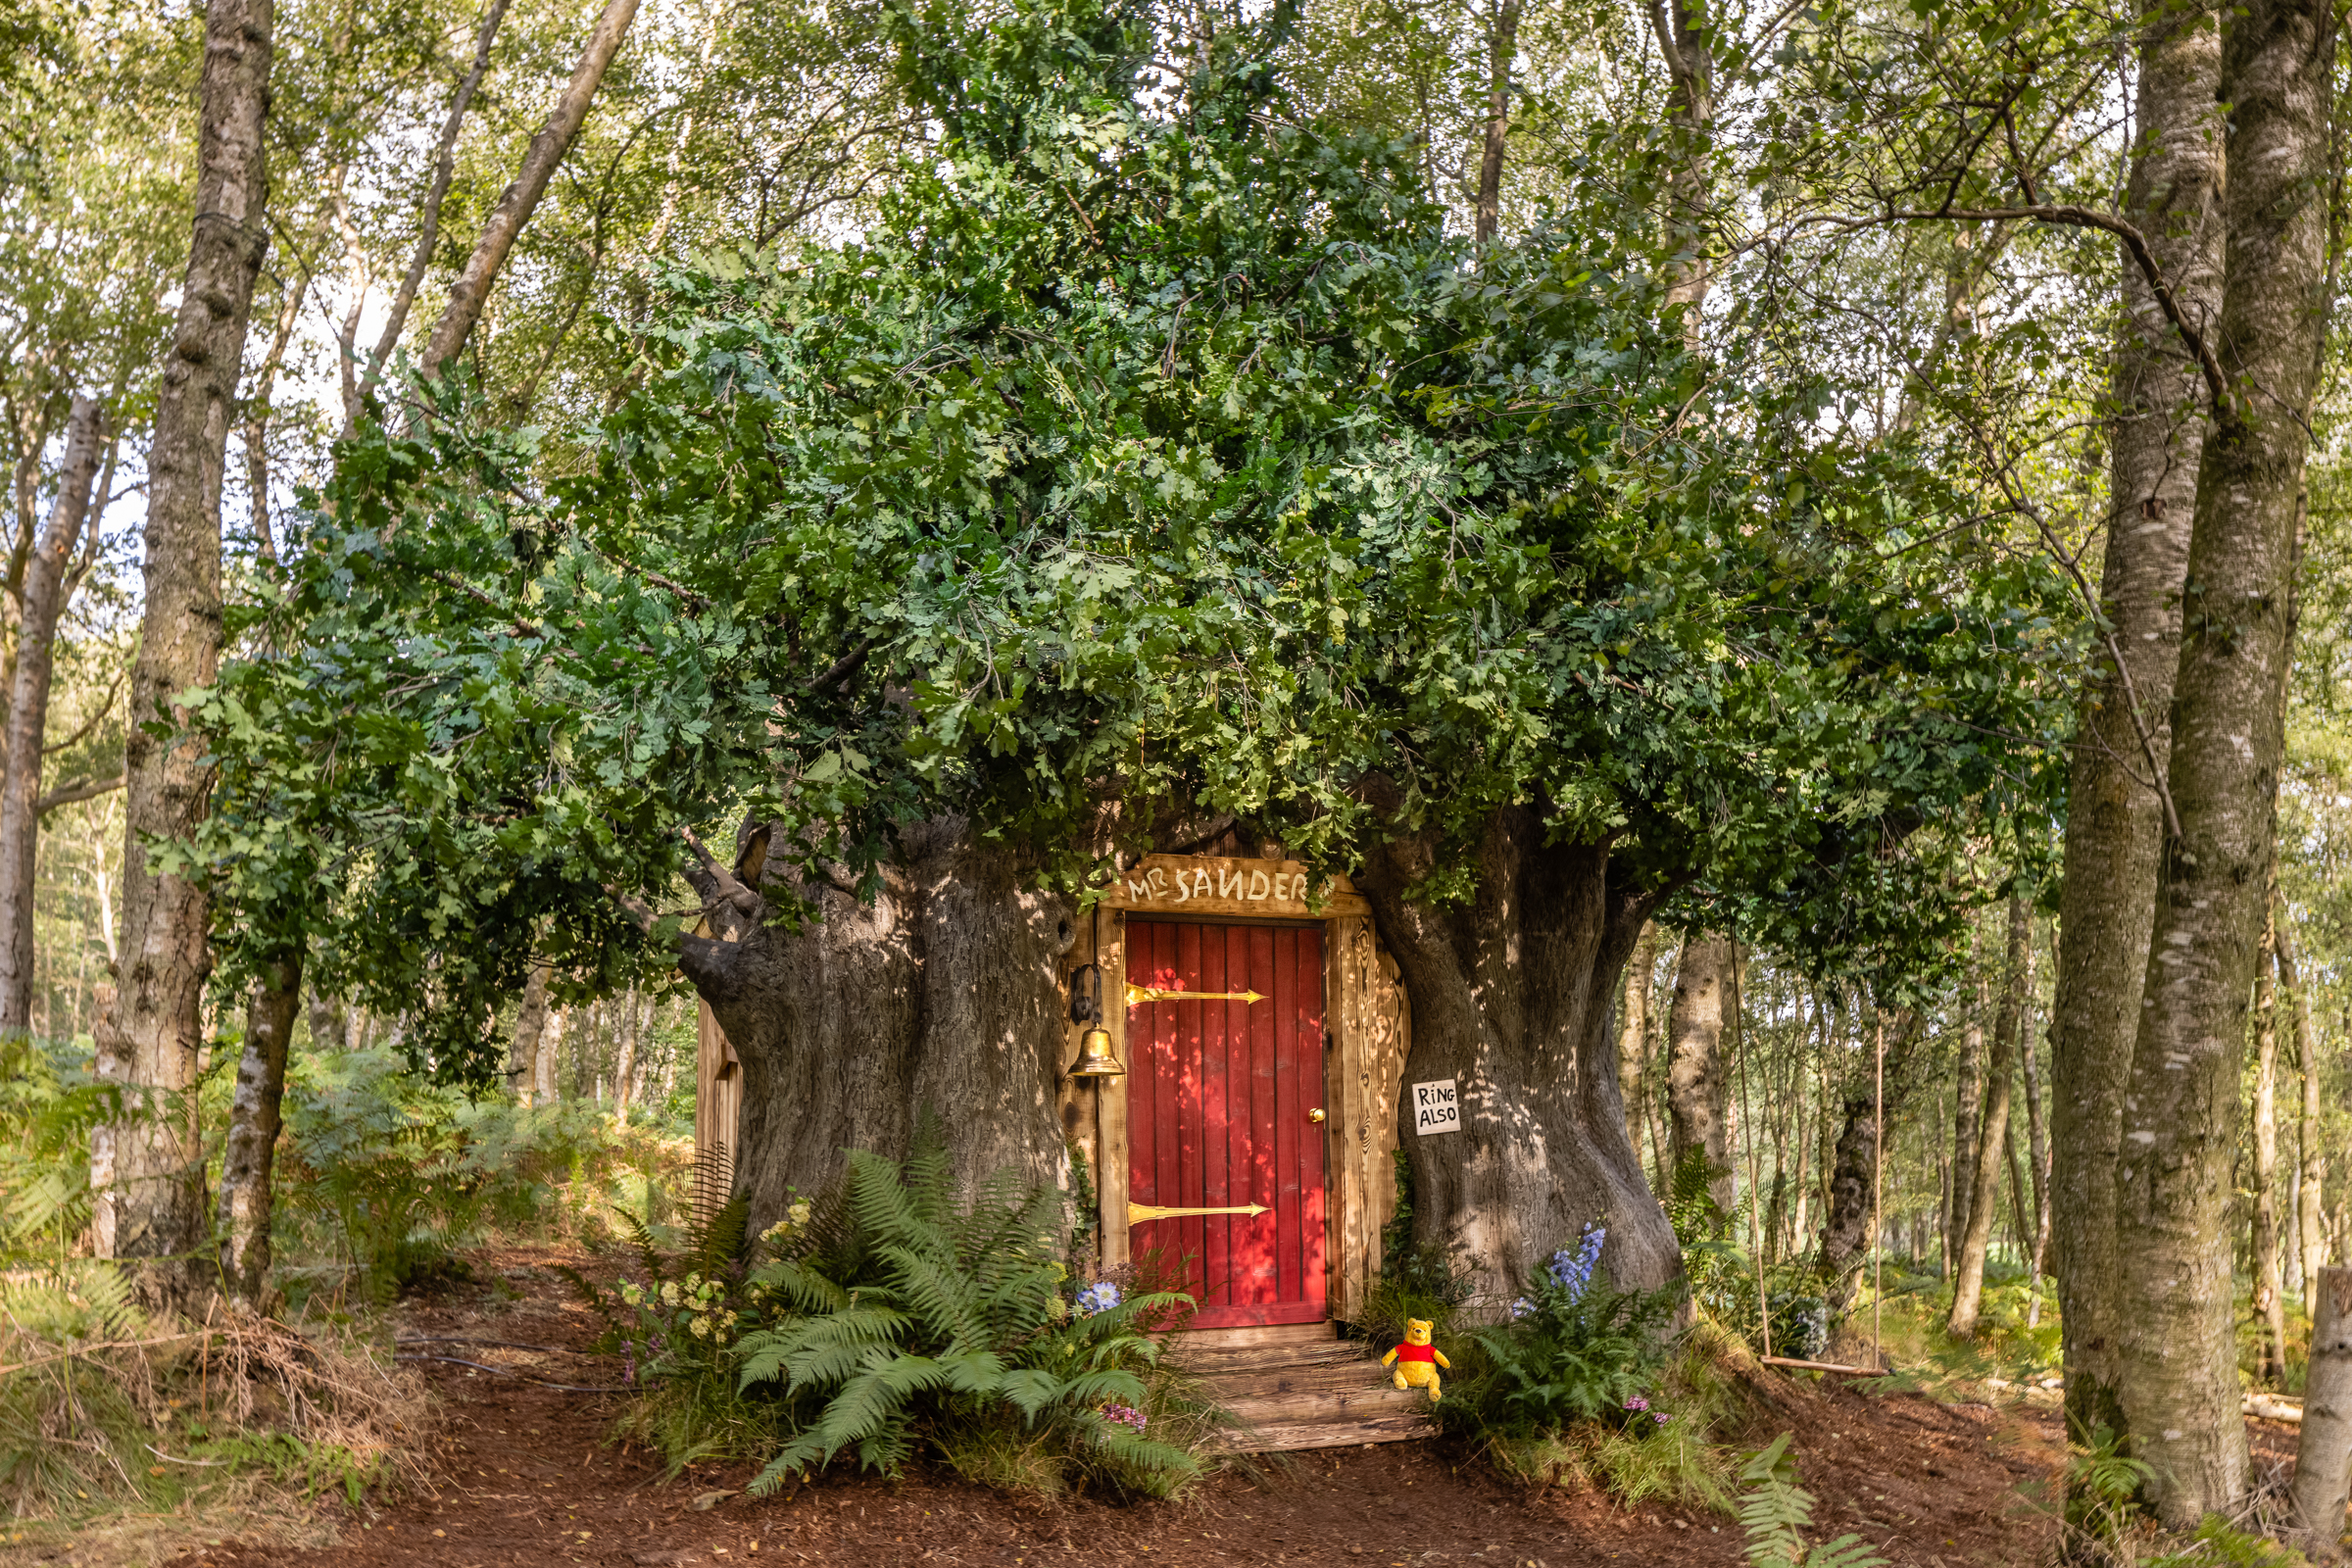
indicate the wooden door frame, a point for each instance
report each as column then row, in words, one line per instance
column 1213, row 890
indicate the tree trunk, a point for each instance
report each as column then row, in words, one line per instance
column 2179, row 1372
column 1968, row 1120
column 43, row 599
column 150, row 1028
column 2323, row 1448
column 1633, row 1034
column 1845, row 1239
column 1683, row 40
column 546, row 1064
column 2270, row 1290
column 530, row 1022
column 2037, row 1152
column 624, row 1065
column 1510, row 996
column 2115, row 820
column 2310, row 1229
column 1502, row 47
column 943, row 997
column 428, row 219
column 1992, row 1136
column 471, row 291
column 248, row 1157
column 1698, row 1073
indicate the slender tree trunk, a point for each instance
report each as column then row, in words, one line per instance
column 1685, row 37
column 44, row 601
column 2038, row 1150
column 1502, row 47
column 150, row 1027
column 2115, row 819
column 1633, row 1034
column 1992, row 1136
column 1510, row 996
column 624, row 1066
column 471, row 291
column 1968, row 1121
column 249, row 1157
column 2178, row 1371
column 1699, row 1070
column 2323, row 1452
column 2270, row 1292
column 428, row 219
column 546, row 1068
column 2311, row 1228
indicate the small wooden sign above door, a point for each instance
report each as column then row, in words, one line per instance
column 1194, row 885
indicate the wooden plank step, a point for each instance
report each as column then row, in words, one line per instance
column 1289, row 1437
column 1323, row 1407
column 1231, row 1363
column 1255, row 1381
column 1255, row 1337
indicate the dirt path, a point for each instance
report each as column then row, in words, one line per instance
column 522, row 1475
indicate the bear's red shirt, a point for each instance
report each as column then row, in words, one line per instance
column 1417, row 1352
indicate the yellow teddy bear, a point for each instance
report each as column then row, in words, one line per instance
column 1417, row 1360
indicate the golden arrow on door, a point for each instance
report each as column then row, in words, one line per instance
column 1137, row 995
column 1136, row 1213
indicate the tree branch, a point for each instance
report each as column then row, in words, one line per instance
column 82, row 788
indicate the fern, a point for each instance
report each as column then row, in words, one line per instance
column 912, row 1315
column 1776, row 1511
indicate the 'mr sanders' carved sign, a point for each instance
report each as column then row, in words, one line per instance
column 1170, row 884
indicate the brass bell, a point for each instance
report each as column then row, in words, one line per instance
column 1095, row 1060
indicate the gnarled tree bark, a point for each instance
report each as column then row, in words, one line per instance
column 942, row 996
column 1510, row 997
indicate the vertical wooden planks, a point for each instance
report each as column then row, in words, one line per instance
column 1264, row 1256
column 1306, row 985
column 1111, row 1120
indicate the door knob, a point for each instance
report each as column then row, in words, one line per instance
column 1315, row 1115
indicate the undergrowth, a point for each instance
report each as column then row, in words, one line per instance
column 894, row 1318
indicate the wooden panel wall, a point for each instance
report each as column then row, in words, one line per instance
column 1373, row 1027
column 718, row 1113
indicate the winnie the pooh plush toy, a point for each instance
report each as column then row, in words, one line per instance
column 1417, row 1360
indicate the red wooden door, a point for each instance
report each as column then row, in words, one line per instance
column 1219, row 1097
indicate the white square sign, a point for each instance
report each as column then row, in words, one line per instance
column 1437, row 1109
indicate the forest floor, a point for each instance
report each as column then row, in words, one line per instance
column 522, row 1475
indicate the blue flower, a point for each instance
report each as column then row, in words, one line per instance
column 1100, row 1296
column 1572, row 1271
column 1522, row 1307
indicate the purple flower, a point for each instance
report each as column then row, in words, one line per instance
column 1100, row 1296
column 1522, row 1307
column 1126, row 1415
column 1636, row 1403
column 1660, row 1417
